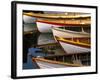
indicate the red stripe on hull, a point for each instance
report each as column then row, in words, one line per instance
column 63, row 24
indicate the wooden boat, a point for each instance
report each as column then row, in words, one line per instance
column 57, row 15
column 45, row 25
column 67, row 22
column 71, row 32
column 46, row 63
column 45, row 21
column 75, row 45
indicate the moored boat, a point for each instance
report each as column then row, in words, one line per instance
column 68, row 22
column 45, row 21
column 46, row 63
column 75, row 45
column 45, row 25
column 71, row 32
column 57, row 15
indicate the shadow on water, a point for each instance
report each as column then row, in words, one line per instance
column 28, row 41
column 30, row 49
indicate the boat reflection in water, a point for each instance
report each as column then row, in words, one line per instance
column 29, row 28
column 35, row 45
column 45, row 38
column 28, row 40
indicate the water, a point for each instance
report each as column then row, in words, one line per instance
column 29, row 27
column 30, row 43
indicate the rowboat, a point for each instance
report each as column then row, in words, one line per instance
column 56, row 15
column 45, row 25
column 46, row 63
column 75, row 45
column 71, row 32
column 45, row 21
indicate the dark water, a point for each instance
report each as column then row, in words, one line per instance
column 30, row 41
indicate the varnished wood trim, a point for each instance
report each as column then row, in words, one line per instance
column 67, row 41
column 56, row 62
column 62, row 24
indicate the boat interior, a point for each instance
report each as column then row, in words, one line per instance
column 75, row 28
column 74, row 60
column 79, row 41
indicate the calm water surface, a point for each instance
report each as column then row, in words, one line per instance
column 30, row 41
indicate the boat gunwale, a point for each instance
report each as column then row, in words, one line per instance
column 62, row 24
column 57, row 62
column 72, row 42
column 55, row 16
column 69, row 31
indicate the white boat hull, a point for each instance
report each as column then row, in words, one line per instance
column 44, row 65
column 71, row 49
column 45, row 27
column 69, row 34
column 28, row 19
